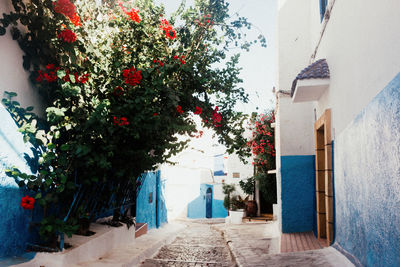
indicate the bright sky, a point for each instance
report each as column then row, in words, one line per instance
column 258, row 64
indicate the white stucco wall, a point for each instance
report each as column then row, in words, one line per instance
column 293, row 54
column 360, row 44
column 293, row 49
column 295, row 123
column 13, row 77
column 195, row 166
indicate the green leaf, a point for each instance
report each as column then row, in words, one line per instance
column 30, row 108
column 2, row 31
column 38, row 195
column 48, row 181
column 42, row 202
column 60, row 188
column 10, row 94
column 61, row 74
column 51, row 146
column 64, row 147
column 72, row 78
column 49, row 228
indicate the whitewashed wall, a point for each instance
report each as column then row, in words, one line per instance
column 13, row 77
column 361, row 44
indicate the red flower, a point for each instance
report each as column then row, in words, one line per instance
column 118, row 91
column 40, row 77
column 132, row 76
column 120, row 121
column 68, row 36
column 75, row 19
column 171, row 34
column 51, row 77
column 159, row 62
column 84, row 78
column 132, row 14
column 179, row 109
column 155, row 114
column 168, row 30
column 217, row 118
column 27, row 202
column 50, row 66
column 64, row 7
column 198, row 110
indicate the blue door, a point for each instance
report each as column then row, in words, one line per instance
column 209, row 203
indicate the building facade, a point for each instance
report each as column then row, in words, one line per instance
column 337, row 125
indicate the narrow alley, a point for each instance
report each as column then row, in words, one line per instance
column 198, row 245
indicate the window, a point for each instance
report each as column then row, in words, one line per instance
column 322, row 8
column 236, row 175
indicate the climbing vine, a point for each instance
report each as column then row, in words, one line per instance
column 120, row 82
column 262, row 145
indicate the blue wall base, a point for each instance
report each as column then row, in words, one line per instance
column 298, row 193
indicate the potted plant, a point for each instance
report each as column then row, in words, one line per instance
column 234, row 203
column 248, row 188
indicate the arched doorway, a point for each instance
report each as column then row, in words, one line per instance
column 209, row 203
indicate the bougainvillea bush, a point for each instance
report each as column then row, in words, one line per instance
column 121, row 81
column 262, row 145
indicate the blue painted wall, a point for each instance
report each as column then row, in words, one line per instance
column 14, row 220
column 367, row 181
column 219, row 210
column 298, row 193
column 161, row 207
column 154, row 213
column 197, row 208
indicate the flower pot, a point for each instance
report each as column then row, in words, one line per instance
column 251, row 208
column 236, row 216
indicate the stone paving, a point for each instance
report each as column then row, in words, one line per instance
column 197, row 245
column 251, row 243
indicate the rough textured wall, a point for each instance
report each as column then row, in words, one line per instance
column 298, row 193
column 153, row 213
column 146, row 210
column 14, row 220
column 367, row 181
column 161, row 207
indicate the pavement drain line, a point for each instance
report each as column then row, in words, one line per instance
column 229, row 243
column 195, row 246
column 182, row 261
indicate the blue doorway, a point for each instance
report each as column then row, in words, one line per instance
column 209, row 203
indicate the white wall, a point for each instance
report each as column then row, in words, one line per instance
column 294, row 49
column 296, row 127
column 195, row 167
column 361, row 44
column 13, row 77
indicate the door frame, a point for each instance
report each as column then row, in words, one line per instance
column 323, row 175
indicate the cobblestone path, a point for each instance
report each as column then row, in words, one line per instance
column 197, row 245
